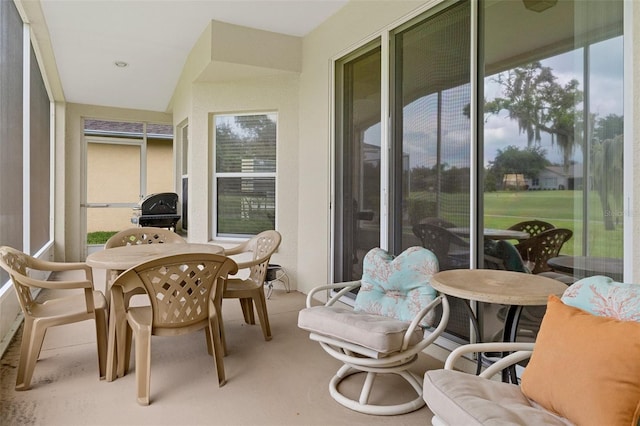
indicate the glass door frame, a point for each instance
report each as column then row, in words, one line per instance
column 84, row 204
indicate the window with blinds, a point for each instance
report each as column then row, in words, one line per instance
column 245, row 173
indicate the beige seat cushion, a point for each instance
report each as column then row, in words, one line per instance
column 459, row 398
column 379, row 333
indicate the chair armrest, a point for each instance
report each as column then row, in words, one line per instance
column 45, row 265
column 239, row 249
column 54, row 285
column 521, row 351
column 345, row 286
column 442, row 299
column 248, row 263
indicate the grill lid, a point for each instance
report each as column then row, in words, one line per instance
column 160, row 203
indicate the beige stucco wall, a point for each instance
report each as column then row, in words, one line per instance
column 337, row 35
column 278, row 94
column 233, row 69
column 121, row 164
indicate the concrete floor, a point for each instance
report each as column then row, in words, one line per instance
column 280, row 382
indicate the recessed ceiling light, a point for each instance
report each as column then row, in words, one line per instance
column 121, row 64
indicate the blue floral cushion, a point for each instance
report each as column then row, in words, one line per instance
column 603, row 296
column 398, row 287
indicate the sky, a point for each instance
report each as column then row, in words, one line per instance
column 420, row 117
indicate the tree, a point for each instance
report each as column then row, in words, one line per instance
column 512, row 160
column 606, row 167
column 540, row 104
column 608, row 127
column 533, row 97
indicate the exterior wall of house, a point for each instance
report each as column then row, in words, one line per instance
column 123, row 167
column 550, row 180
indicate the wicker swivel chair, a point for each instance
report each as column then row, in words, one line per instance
column 39, row 316
column 185, row 294
column 250, row 290
column 384, row 332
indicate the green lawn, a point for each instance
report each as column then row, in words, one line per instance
column 99, row 237
column 564, row 209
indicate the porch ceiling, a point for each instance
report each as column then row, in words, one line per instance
column 154, row 38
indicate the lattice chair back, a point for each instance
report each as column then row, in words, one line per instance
column 535, row 251
column 179, row 287
column 261, row 247
column 17, row 265
column 532, row 227
column 441, row 241
column 185, row 292
column 143, row 235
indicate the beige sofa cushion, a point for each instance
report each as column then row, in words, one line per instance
column 379, row 333
column 459, row 398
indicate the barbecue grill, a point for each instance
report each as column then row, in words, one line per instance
column 159, row 210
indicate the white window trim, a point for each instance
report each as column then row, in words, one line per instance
column 216, row 175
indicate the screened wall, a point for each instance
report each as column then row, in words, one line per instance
column 25, row 203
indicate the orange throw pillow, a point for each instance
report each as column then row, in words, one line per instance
column 585, row 368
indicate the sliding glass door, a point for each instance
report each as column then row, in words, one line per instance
column 552, row 129
column 502, row 114
column 431, row 142
column 358, row 160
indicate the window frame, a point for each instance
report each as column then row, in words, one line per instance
column 216, row 175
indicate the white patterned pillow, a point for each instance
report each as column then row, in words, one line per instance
column 605, row 297
column 398, row 287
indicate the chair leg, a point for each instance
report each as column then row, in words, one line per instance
column 215, row 341
column 101, row 336
column 143, row 363
column 366, row 388
column 247, row 310
column 362, row 405
column 123, row 344
column 261, row 306
column 112, row 357
column 127, row 351
column 223, row 338
column 32, row 338
column 208, row 338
